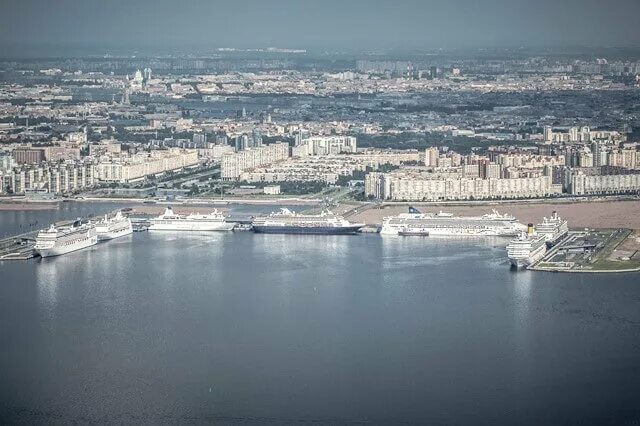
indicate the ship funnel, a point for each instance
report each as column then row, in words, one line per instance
column 530, row 229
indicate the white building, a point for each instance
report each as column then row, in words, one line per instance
column 582, row 184
column 234, row 164
column 125, row 169
column 416, row 186
column 272, row 190
column 326, row 145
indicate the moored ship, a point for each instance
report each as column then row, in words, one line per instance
column 446, row 224
column 554, row 229
column 114, row 227
column 55, row 241
column 170, row 221
column 287, row 222
column 527, row 249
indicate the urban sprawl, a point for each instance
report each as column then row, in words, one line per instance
column 282, row 122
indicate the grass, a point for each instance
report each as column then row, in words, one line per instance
column 603, row 261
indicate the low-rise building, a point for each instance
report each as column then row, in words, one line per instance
column 272, row 190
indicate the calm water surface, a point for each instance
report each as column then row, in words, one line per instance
column 164, row 328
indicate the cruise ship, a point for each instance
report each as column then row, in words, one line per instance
column 56, row 241
column 170, row 221
column 287, row 222
column 114, row 227
column 553, row 228
column 416, row 223
column 527, row 249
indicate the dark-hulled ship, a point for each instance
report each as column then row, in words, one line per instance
column 287, row 222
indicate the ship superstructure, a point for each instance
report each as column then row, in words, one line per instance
column 446, row 224
column 55, row 241
column 170, row 221
column 553, row 229
column 113, row 227
column 527, row 249
column 287, row 222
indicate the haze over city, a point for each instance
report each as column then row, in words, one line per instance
column 330, row 24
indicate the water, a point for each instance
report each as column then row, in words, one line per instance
column 249, row 328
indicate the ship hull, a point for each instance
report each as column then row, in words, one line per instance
column 58, row 250
column 455, row 232
column 222, row 226
column 317, row 230
column 110, row 235
column 414, row 233
column 532, row 259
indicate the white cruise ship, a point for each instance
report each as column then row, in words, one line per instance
column 287, row 222
column 446, row 224
column 527, row 249
column 56, row 241
column 170, row 221
column 553, row 228
column 114, row 227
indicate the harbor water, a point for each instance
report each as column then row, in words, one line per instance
column 252, row 328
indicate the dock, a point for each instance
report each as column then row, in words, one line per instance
column 18, row 247
column 594, row 250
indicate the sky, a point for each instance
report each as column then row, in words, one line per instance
column 322, row 24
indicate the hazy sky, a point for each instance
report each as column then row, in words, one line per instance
column 321, row 23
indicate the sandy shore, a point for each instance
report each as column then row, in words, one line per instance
column 604, row 214
column 9, row 206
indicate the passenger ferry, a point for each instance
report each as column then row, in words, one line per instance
column 287, row 222
column 110, row 228
column 56, row 241
column 527, row 249
column 446, row 224
column 170, row 221
column 553, row 229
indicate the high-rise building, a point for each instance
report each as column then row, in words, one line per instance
column 29, row 155
column 548, row 134
column 256, row 137
column 431, row 157
column 242, row 142
column 200, row 140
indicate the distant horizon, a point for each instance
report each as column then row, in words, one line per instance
column 356, row 25
column 86, row 50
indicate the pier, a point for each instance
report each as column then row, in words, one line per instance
column 18, row 247
column 594, row 250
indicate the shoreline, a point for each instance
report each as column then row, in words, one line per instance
column 586, row 271
column 27, row 206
